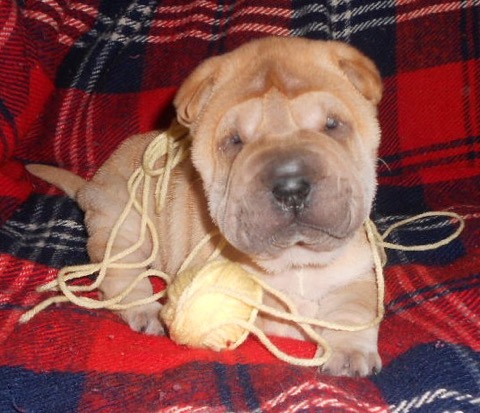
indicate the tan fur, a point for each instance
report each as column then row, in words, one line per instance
column 259, row 117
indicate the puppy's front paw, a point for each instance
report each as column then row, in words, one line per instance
column 353, row 363
column 144, row 319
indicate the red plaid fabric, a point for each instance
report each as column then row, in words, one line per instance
column 77, row 77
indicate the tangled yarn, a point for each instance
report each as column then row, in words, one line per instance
column 214, row 306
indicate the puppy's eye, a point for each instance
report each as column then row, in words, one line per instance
column 236, row 140
column 337, row 128
column 332, row 123
column 232, row 145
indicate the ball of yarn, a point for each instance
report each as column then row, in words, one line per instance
column 201, row 313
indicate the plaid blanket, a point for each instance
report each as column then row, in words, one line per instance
column 79, row 76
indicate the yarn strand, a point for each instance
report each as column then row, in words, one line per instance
column 425, row 247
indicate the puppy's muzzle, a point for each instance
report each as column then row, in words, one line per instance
column 290, row 185
column 291, row 194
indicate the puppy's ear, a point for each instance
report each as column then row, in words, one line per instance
column 359, row 69
column 195, row 91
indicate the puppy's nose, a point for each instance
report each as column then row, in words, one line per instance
column 290, row 186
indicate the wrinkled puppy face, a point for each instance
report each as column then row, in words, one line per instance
column 285, row 138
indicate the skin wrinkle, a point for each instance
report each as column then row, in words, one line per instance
column 226, row 195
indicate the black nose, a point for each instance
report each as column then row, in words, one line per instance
column 290, row 186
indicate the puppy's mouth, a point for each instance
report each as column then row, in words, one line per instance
column 267, row 242
column 307, row 236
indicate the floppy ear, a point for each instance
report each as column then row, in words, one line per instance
column 359, row 69
column 195, row 91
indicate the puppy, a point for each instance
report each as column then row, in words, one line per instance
column 284, row 138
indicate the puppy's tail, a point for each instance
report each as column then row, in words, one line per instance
column 65, row 180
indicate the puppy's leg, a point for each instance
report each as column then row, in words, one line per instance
column 143, row 318
column 354, row 353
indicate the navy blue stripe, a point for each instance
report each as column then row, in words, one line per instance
column 471, row 142
column 213, row 45
column 228, row 21
column 471, row 154
column 71, row 308
column 407, row 297
column 464, row 29
column 221, row 371
column 22, row 390
column 437, row 291
column 5, row 112
column 451, row 144
column 470, row 25
column 426, row 369
column 245, row 379
column 476, row 29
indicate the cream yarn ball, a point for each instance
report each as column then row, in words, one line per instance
column 204, row 306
